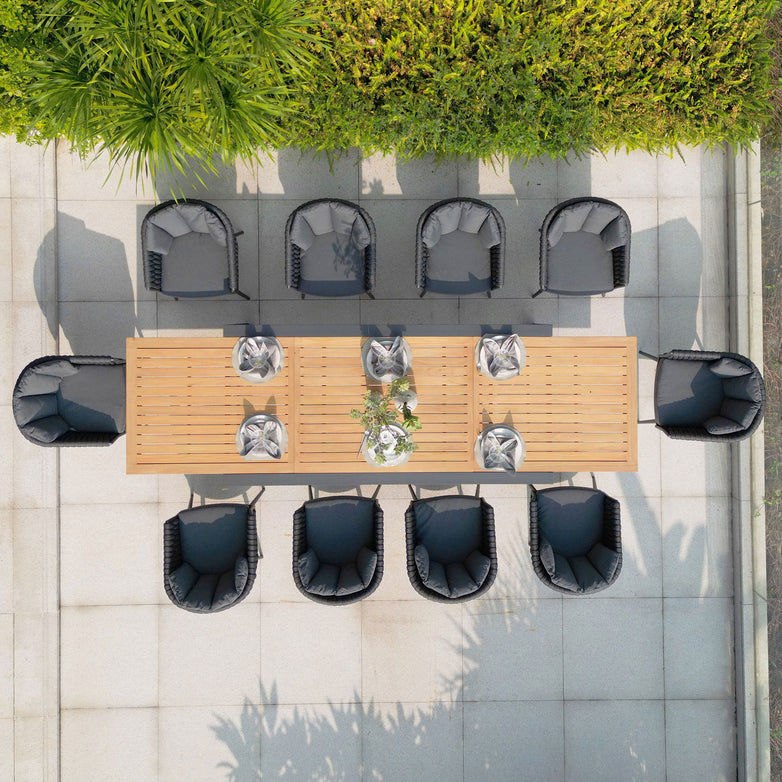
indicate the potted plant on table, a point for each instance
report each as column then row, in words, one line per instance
column 386, row 441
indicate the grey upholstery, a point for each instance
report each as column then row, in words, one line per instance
column 451, row 547
column 584, row 248
column 706, row 395
column 71, row 400
column 330, row 249
column 338, row 549
column 460, row 248
column 575, row 538
column 210, row 556
column 189, row 250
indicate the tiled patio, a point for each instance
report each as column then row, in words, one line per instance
column 101, row 675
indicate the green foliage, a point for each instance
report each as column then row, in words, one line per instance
column 158, row 83
column 531, row 77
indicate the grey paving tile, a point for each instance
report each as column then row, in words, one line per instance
column 697, row 547
column 311, row 741
column 294, row 669
column 6, row 560
column 6, row 665
column 411, row 651
column 110, row 554
column 622, row 174
column 574, row 177
column 6, row 253
column 616, row 640
column 32, row 171
column 94, row 179
column 176, row 489
column 101, row 327
column 243, row 215
column 7, row 374
column 116, row 744
column 34, row 473
column 292, row 174
column 33, row 249
column 272, row 217
column 35, row 560
column 7, row 144
column 400, row 737
column 35, row 664
column 275, row 530
column 239, row 180
column 310, row 312
column 384, row 175
column 34, row 332
column 698, row 647
column 6, row 746
column 500, row 311
column 203, row 318
column 679, row 174
column 35, row 752
column 523, row 178
column 714, row 168
column 97, row 643
column 492, row 751
column 97, row 475
column 689, row 323
column 700, row 740
column 690, row 468
column 193, row 654
column 99, row 251
column 644, row 266
column 213, row 742
column 615, row 741
column 506, row 639
column 406, row 312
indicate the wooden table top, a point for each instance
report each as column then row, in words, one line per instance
column 574, row 403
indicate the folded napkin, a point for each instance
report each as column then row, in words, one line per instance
column 259, row 356
column 502, row 356
column 261, row 440
column 388, row 360
column 499, row 452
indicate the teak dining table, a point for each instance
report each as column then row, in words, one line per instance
column 574, row 403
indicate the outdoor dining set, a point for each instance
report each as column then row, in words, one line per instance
column 511, row 405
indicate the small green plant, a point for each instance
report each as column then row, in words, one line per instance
column 380, row 412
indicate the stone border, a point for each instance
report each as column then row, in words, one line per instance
column 747, row 473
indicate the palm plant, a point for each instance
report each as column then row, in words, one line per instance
column 161, row 84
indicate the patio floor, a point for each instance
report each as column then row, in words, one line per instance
column 101, row 677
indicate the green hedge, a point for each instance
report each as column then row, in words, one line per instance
column 528, row 77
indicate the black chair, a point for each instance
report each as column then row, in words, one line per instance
column 210, row 555
column 451, row 546
column 707, row 395
column 575, row 538
column 189, row 250
column 71, row 400
column 460, row 248
column 584, row 248
column 330, row 248
column 338, row 548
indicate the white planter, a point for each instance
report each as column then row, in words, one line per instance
column 388, row 439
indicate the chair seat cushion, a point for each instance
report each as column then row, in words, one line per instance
column 333, row 265
column 46, row 430
column 459, row 264
column 182, row 580
column 580, row 264
column 325, row 581
column 308, row 565
column 719, row 425
column 604, row 560
column 202, row 593
column 449, row 527
column 686, row 392
column 570, row 518
column 338, row 528
column 30, row 408
column 93, row 399
column 729, row 367
column 196, row 265
column 212, row 537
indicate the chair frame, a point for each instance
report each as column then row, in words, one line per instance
column 488, row 548
column 698, row 432
column 172, row 554
column 293, row 251
column 74, row 438
column 153, row 262
column 300, row 546
column 497, row 252
column 620, row 255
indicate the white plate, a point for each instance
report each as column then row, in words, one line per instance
column 482, row 356
column 504, row 432
column 243, row 365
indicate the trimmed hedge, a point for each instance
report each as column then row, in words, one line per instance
column 531, row 77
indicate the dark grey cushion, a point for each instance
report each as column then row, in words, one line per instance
column 437, row 580
column 225, row 591
column 301, row 233
column 241, row 574
column 213, row 536
column 580, row 263
column 48, row 429
column 195, row 265
column 333, row 265
column 449, row 527
column 489, row 232
column 587, row 576
column 308, row 564
column 569, row 219
column 604, row 560
column 720, row 425
column 563, row 575
column 686, row 392
column 339, row 527
column 182, row 580
column 729, row 367
column 29, row 408
column 178, row 220
column 740, row 411
column 44, row 378
column 93, row 399
column 422, row 561
column 325, row 581
column 570, row 518
column 460, row 582
column 459, row 264
column 478, row 566
column 366, row 564
column 157, row 240
column 349, row 581
column 473, row 216
column 202, row 594
column 615, row 234
column 546, row 554
column 600, row 215
column 746, row 387
column 318, row 216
